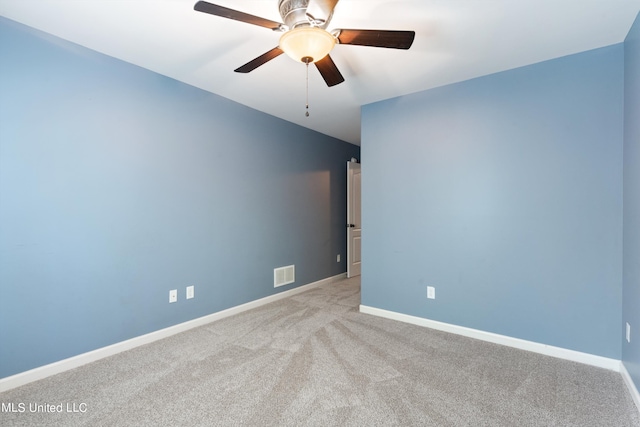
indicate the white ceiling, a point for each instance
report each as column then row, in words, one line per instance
column 455, row 40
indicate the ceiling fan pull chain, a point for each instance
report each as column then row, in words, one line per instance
column 306, row 60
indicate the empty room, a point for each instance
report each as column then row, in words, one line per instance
column 320, row 212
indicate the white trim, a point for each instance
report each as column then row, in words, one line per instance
column 635, row 395
column 41, row 372
column 562, row 353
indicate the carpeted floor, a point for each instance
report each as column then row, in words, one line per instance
column 313, row 359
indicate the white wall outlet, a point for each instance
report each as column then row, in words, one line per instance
column 628, row 332
column 173, row 295
column 338, row 258
column 190, row 292
column 431, row 292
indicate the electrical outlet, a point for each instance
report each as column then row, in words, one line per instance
column 173, row 295
column 338, row 258
column 628, row 332
column 431, row 292
column 190, row 291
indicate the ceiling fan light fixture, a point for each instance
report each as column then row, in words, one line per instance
column 307, row 42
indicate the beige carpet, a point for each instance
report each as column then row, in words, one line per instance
column 313, row 359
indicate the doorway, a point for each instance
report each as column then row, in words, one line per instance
column 354, row 226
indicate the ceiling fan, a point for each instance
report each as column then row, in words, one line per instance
column 305, row 38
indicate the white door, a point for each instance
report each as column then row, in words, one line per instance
column 354, row 230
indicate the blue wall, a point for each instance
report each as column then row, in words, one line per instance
column 631, row 270
column 505, row 193
column 118, row 184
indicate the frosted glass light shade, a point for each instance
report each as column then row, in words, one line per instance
column 303, row 42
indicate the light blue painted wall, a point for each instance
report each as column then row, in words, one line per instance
column 505, row 193
column 118, row 184
column 631, row 270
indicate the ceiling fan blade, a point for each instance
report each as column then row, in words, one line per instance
column 329, row 71
column 322, row 10
column 260, row 60
column 377, row 38
column 214, row 9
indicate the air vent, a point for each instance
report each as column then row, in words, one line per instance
column 284, row 275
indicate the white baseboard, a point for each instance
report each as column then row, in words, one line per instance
column 562, row 353
column 633, row 390
column 41, row 372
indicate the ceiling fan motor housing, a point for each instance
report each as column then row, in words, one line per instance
column 294, row 13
